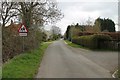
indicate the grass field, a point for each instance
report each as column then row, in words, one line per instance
column 25, row 65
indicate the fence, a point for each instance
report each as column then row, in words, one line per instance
column 111, row 44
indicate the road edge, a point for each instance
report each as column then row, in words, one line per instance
column 65, row 42
column 113, row 75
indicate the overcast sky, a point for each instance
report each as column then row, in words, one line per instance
column 78, row 11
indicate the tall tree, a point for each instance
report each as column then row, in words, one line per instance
column 39, row 12
column 97, row 25
column 7, row 11
column 76, row 29
column 109, row 25
column 89, row 21
column 67, row 32
column 104, row 24
column 56, row 32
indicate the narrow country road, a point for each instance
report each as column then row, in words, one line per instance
column 62, row 61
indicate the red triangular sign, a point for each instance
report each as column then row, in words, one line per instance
column 22, row 29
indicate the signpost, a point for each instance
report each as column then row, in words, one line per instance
column 23, row 32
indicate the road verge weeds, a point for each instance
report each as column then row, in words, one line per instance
column 24, row 65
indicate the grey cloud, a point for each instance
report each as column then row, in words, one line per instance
column 100, row 9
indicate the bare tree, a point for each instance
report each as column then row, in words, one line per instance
column 56, row 32
column 39, row 12
column 7, row 12
column 89, row 21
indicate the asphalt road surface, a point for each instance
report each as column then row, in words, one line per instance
column 63, row 61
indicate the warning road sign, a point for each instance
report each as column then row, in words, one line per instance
column 22, row 30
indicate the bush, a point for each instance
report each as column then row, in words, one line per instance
column 12, row 43
column 24, row 65
column 85, row 33
column 93, row 41
column 114, row 35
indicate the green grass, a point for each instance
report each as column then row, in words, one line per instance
column 79, row 46
column 24, row 65
column 74, row 45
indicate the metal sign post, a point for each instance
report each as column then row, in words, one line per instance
column 23, row 32
column 23, row 43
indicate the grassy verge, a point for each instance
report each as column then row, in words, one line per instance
column 74, row 45
column 79, row 46
column 24, row 65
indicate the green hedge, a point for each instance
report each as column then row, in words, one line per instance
column 93, row 41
